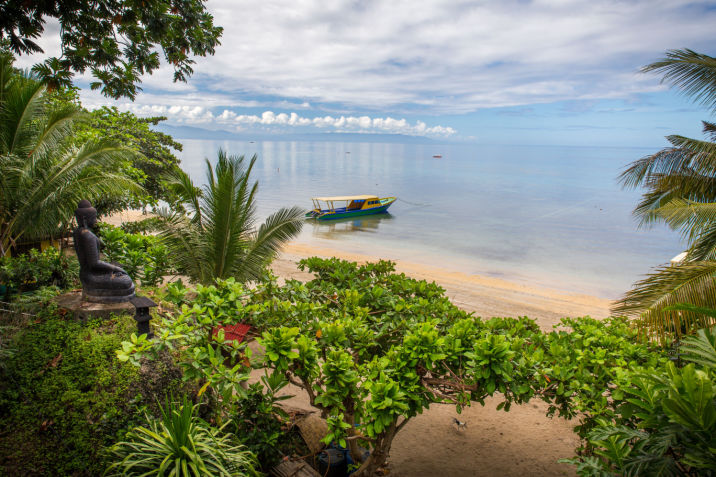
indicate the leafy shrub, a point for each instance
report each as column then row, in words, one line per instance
column 219, row 366
column 63, row 394
column 585, row 360
column 259, row 422
column 373, row 349
column 182, row 445
column 666, row 424
column 143, row 257
column 36, row 269
column 144, row 226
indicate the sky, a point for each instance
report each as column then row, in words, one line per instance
column 544, row 72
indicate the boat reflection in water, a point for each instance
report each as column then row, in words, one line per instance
column 341, row 228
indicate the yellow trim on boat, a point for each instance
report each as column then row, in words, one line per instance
column 346, row 198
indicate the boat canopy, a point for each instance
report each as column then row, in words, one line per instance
column 346, row 198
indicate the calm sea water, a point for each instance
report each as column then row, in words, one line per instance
column 548, row 216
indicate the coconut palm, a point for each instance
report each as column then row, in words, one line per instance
column 680, row 184
column 42, row 174
column 215, row 237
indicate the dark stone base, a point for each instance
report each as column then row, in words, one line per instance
column 83, row 310
column 106, row 299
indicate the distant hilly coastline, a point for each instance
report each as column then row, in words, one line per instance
column 192, row 132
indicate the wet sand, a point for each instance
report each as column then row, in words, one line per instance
column 486, row 296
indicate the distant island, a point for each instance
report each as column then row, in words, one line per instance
column 192, row 132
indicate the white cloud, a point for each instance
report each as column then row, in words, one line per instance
column 405, row 58
column 446, row 56
column 203, row 116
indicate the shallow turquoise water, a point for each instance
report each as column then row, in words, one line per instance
column 549, row 216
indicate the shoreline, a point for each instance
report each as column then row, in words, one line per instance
column 485, row 296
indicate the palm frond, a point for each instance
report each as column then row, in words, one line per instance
column 225, row 243
column 279, row 228
column 183, row 237
column 694, row 73
column 690, row 282
column 189, row 194
column 701, row 348
column 22, row 107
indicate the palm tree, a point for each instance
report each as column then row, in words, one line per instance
column 216, row 237
column 42, row 174
column 680, row 184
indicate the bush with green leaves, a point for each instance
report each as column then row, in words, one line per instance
column 64, row 394
column 665, row 423
column 584, row 361
column 181, row 445
column 260, row 423
column 143, row 257
column 35, row 269
column 372, row 349
column 218, row 366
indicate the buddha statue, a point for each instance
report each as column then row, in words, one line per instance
column 102, row 282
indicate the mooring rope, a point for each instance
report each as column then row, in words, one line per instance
column 413, row 203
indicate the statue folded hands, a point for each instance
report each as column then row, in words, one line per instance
column 101, row 281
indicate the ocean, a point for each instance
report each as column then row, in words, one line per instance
column 538, row 215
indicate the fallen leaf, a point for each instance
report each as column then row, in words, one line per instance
column 56, row 360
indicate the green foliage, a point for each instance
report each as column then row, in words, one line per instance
column 143, row 257
column 680, row 192
column 666, row 423
column 43, row 172
column 180, row 444
column 373, row 349
column 37, row 269
column 218, row 366
column 690, row 71
column 153, row 160
column 586, row 360
column 63, row 394
column 116, row 40
column 216, row 238
column 259, row 423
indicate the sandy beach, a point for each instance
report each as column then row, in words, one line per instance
column 485, row 296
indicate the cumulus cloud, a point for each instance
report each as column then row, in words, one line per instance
column 364, row 124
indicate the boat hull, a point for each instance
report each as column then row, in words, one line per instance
column 354, row 213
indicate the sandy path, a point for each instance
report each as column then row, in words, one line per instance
column 522, row 442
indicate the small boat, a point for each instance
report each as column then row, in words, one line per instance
column 355, row 205
column 438, row 156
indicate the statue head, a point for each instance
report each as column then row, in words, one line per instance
column 85, row 214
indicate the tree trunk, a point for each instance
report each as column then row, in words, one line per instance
column 379, row 454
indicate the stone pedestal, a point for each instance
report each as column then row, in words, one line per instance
column 82, row 310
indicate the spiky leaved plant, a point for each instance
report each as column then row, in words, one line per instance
column 216, row 237
column 43, row 175
column 680, row 184
column 180, row 445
